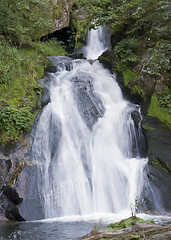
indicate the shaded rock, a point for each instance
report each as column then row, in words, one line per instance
column 77, row 55
column 27, row 188
column 127, row 92
column 136, row 117
column 64, row 63
column 45, row 98
column 159, row 151
column 12, row 195
column 107, row 59
column 12, row 213
column 50, row 67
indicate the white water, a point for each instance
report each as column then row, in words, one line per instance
column 96, row 44
column 90, row 171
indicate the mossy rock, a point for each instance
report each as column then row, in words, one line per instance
column 126, row 223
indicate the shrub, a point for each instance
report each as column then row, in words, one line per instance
column 126, row 51
column 13, row 122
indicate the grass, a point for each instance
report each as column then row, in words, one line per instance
column 161, row 113
column 128, row 75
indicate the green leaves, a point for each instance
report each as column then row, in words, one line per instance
column 158, row 60
column 19, row 91
column 13, row 122
column 126, row 50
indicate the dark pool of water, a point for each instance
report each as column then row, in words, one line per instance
column 44, row 230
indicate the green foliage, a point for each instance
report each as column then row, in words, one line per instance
column 136, row 236
column 126, row 223
column 23, row 60
column 13, row 122
column 51, row 47
column 159, row 58
column 165, row 98
column 78, row 31
column 19, row 90
column 13, row 62
column 125, row 51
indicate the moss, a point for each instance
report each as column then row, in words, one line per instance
column 129, row 75
column 148, row 128
column 161, row 113
column 163, row 165
column 126, row 223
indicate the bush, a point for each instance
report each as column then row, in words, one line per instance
column 126, row 51
column 158, row 59
column 13, row 122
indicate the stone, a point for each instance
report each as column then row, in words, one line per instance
column 107, row 59
column 12, row 195
column 158, row 138
column 13, row 161
column 12, row 213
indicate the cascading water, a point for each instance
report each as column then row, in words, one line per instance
column 96, row 44
column 88, row 160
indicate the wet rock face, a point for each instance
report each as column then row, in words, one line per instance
column 89, row 105
column 159, row 152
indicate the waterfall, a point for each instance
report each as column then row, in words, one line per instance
column 86, row 144
column 96, row 43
